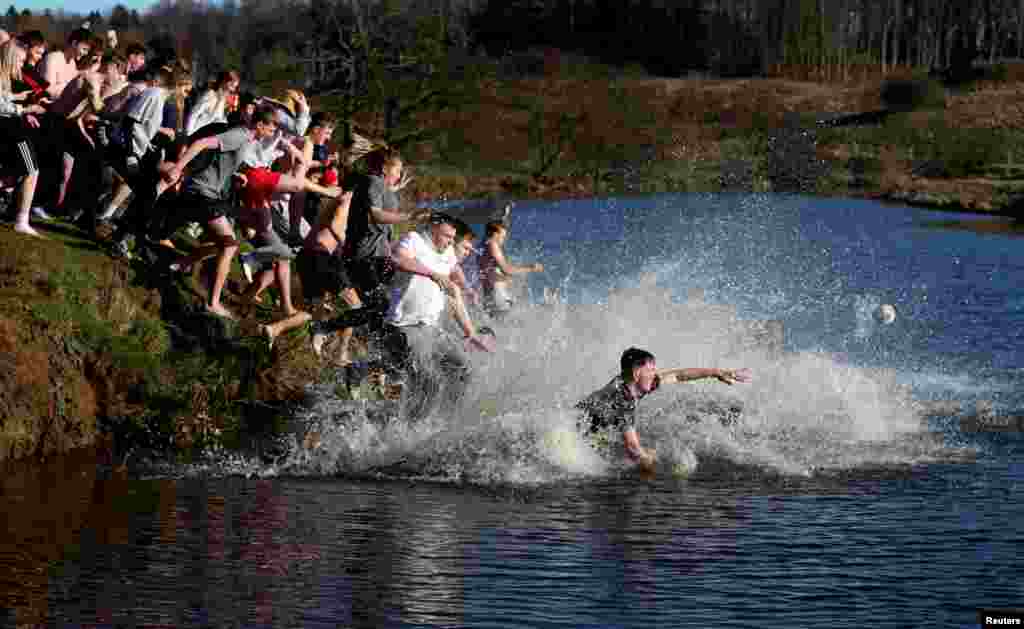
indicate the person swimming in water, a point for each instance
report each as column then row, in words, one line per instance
column 613, row 406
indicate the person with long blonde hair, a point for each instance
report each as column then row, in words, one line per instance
column 17, row 150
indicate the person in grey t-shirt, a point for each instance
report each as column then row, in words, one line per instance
column 205, row 197
column 613, row 406
column 367, row 252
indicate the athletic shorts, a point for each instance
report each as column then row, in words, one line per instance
column 189, row 207
column 18, row 159
column 320, row 273
column 261, row 183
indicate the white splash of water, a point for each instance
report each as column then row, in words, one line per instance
column 803, row 412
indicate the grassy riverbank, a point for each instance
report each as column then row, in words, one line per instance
column 566, row 135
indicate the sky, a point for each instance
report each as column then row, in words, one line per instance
column 82, row 7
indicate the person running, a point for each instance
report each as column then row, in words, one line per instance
column 613, row 406
column 414, row 345
column 205, row 198
column 496, row 270
column 369, row 266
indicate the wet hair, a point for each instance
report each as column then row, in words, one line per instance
column 631, row 359
column 378, row 159
column 493, row 227
column 31, row 39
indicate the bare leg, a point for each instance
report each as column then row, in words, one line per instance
column 228, row 248
column 260, row 283
column 292, row 321
column 68, row 166
column 26, row 191
column 283, row 274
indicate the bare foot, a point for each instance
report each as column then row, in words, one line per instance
column 28, row 230
column 220, row 311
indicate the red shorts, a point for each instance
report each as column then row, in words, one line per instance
column 260, row 186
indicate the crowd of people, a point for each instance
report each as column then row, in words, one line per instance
column 112, row 139
column 103, row 135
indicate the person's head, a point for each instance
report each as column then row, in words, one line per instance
column 227, row 82
column 464, row 237
column 638, row 367
column 136, row 56
column 386, row 162
column 496, row 230
column 12, row 58
column 263, row 122
column 111, row 39
column 321, row 127
column 79, row 43
column 442, row 231
column 35, row 43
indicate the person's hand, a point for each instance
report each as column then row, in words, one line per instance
column 300, row 102
column 647, row 459
column 32, row 121
column 404, row 181
column 444, row 282
column 241, row 180
column 732, row 376
column 20, row 96
column 34, row 109
column 537, row 268
column 167, row 131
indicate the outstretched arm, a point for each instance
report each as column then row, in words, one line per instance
column 507, row 267
column 686, row 374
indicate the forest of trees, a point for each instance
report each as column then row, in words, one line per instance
column 351, row 48
column 338, row 41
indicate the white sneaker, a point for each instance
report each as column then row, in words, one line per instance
column 41, row 214
column 246, row 260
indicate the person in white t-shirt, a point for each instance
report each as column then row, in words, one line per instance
column 414, row 346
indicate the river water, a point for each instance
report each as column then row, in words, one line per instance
column 874, row 477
